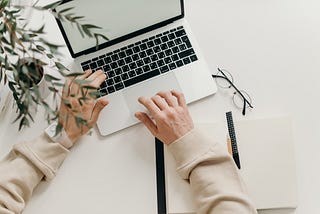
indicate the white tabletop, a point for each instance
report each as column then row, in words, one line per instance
column 271, row 48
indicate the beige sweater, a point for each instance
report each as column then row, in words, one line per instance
column 211, row 171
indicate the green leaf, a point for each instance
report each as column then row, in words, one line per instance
column 58, row 129
column 39, row 47
column 49, row 78
column 52, row 6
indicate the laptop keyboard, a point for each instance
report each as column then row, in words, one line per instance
column 143, row 60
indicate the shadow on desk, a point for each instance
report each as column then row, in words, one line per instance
column 277, row 211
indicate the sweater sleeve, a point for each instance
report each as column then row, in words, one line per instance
column 213, row 176
column 23, row 168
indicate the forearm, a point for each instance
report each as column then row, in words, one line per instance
column 22, row 170
column 214, row 178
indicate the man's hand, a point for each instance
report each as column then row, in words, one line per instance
column 170, row 113
column 89, row 110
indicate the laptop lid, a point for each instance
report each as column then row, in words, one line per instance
column 119, row 20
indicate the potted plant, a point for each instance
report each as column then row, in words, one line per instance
column 24, row 52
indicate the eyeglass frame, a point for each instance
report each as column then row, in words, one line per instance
column 237, row 90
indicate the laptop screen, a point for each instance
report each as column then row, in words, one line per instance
column 118, row 20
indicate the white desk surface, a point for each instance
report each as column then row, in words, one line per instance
column 272, row 48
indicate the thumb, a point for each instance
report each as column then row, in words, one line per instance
column 100, row 104
column 145, row 119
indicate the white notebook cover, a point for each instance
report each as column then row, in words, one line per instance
column 266, row 153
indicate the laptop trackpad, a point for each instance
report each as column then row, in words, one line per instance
column 148, row 89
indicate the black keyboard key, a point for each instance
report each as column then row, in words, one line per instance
column 100, row 63
column 116, row 51
column 158, row 35
column 175, row 50
column 167, row 60
column 136, row 49
column 130, row 46
column 114, row 65
column 118, row 71
column 139, row 71
column 186, row 53
column 164, row 47
column 180, row 27
column 143, row 47
column 147, row 60
column 103, row 92
column 150, row 44
column 164, row 69
column 140, row 63
column 182, row 47
column 109, row 82
column 107, row 60
column 153, row 65
column 119, row 86
column 132, row 74
column 122, row 54
column 193, row 58
column 110, row 74
column 125, row 68
column 138, row 43
column 165, row 33
column 85, row 67
column 102, row 56
column 149, row 52
column 172, row 36
column 152, row 38
column 103, row 84
column 161, row 55
column 93, row 65
column 168, row 52
column 106, row 68
column 135, row 57
column 132, row 66
column 94, row 59
column 129, row 52
column 86, row 62
column 154, row 57
column 173, row 30
column 142, row 54
column 117, row 79
column 144, row 41
column 180, row 33
column 123, row 48
column 172, row 66
column 111, row 89
column 186, row 61
column 174, row 57
column 121, row 62
column 171, row 44
column 115, row 57
column 124, row 76
column 157, row 41
column 146, row 68
column 164, row 39
column 128, row 59
column 178, row 41
column 141, row 78
column 160, row 63
column 157, row 49
column 179, row 63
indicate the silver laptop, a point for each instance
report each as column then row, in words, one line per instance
column 150, row 49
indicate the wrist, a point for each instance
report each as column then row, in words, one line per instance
column 61, row 138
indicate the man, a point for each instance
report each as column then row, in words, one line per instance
column 212, row 174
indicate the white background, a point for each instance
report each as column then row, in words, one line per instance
column 272, row 48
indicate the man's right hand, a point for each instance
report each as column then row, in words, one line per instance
column 170, row 113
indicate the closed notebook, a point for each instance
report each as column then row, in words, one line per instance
column 266, row 153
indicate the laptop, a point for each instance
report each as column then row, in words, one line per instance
column 150, row 49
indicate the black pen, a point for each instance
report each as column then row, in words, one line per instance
column 232, row 141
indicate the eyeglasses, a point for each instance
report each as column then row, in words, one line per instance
column 241, row 99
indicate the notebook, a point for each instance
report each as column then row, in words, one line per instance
column 266, row 153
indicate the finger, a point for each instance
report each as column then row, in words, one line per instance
column 160, row 102
column 180, row 97
column 145, row 119
column 167, row 95
column 100, row 104
column 74, row 87
column 150, row 106
column 94, row 75
column 98, row 80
